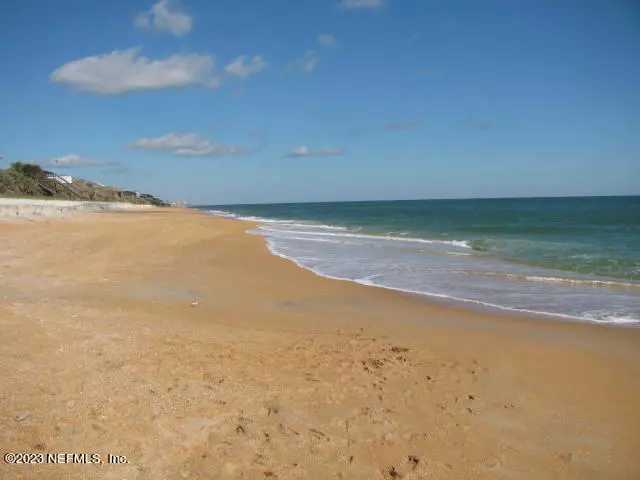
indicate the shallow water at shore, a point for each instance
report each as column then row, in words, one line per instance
column 572, row 258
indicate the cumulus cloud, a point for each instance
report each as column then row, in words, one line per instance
column 73, row 160
column 190, row 145
column 406, row 125
column 304, row 151
column 242, row 69
column 160, row 17
column 328, row 40
column 306, row 64
column 123, row 71
column 350, row 4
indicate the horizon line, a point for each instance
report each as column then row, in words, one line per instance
column 411, row 200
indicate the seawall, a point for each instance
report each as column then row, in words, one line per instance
column 27, row 208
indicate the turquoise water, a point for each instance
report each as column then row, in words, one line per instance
column 576, row 257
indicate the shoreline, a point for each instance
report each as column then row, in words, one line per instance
column 474, row 305
column 277, row 372
column 441, row 299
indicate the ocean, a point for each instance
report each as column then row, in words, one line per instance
column 574, row 258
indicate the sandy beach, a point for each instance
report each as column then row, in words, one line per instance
column 178, row 341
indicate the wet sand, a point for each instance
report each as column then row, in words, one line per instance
column 278, row 373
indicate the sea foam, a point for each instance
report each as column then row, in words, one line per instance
column 405, row 263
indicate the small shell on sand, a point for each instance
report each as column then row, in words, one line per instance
column 22, row 416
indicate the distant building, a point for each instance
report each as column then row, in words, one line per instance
column 129, row 193
column 63, row 179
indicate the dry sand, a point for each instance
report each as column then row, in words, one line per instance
column 279, row 374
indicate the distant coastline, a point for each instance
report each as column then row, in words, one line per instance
column 25, row 180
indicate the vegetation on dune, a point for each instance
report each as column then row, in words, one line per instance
column 27, row 169
column 20, row 180
column 25, row 180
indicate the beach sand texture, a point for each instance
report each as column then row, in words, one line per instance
column 276, row 373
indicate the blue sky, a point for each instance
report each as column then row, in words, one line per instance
column 250, row 101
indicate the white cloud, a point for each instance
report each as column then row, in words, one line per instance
column 212, row 150
column 306, row 64
column 161, row 17
column 190, row 145
column 124, row 71
column 304, row 151
column 171, row 141
column 405, row 125
column 349, row 4
column 239, row 68
column 328, row 40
